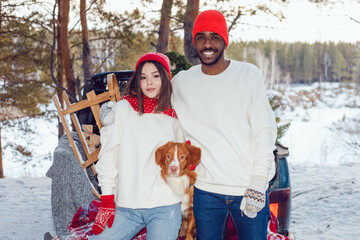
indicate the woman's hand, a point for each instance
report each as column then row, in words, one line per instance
column 106, row 214
column 107, row 114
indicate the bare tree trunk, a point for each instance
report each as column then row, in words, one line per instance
column 173, row 46
column 192, row 11
column 273, row 73
column 263, row 64
column 0, row 17
column 64, row 8
column 85, row 41
column 1, row 164
column 59, row 71
column 327, row 63
column 164, row 29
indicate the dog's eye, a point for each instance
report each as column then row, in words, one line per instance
column 168, row 156
column 182, row 157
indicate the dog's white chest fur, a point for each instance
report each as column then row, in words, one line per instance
column 180, row 185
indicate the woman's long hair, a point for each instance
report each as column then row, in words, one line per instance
column 164, row 98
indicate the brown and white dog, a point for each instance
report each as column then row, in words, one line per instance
column 175, row 160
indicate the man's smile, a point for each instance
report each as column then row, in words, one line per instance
column 208, row 52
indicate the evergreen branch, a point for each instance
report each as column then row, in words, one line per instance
column 281, row 130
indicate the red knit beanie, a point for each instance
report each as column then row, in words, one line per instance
column 212, row 21
column 157, row 57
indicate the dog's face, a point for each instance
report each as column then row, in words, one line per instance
column 176, row 158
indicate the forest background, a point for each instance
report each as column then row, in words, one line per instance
column 43, row 52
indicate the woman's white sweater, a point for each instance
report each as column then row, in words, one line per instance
column 126, row 165
column 229, row 117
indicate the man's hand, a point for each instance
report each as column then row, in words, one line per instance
column 252, row 202
column 107, row 114
column 254, row 197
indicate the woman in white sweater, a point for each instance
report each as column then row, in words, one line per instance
column 133, row 193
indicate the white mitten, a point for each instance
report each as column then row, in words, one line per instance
column 107, row 114
column 254, row 197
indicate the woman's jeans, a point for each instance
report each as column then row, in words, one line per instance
column 162, row 223
column 212, row 212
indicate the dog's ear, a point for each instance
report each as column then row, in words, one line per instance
column 195, row 154
column 160, row 154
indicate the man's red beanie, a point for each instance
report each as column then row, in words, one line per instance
column 157, row 57
column 212, row 21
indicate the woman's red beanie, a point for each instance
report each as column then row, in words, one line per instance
column 212, row 21
column 157, row 57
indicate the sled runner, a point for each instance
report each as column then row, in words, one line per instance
column 90, row 141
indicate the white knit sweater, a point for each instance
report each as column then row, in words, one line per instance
column 126, row 165
column 229, row 117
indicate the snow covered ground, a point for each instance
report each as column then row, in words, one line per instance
column 324, row 143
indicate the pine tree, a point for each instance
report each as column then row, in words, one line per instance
column 24, row 57
column 281, row 127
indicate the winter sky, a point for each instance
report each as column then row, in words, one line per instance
column 304, row 21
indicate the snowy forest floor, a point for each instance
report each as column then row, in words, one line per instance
column 325, row 204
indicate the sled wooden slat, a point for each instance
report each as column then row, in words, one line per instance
column 93, row 158
column 113, row 87
column 95, row 109
column 66, row 128
column 85, row 103
column 77, row 126
column 113, row 94
column 93, row 102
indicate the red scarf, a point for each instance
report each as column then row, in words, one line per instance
column 149, row 105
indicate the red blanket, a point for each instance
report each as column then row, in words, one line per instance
column 83, row 220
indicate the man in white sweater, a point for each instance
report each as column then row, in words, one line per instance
column 223, row 109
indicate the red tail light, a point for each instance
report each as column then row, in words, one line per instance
column 274, row 208
column 280, row 205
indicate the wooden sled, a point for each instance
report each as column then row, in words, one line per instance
column 93, row 101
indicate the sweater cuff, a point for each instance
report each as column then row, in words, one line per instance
column 107, row 191
column 259, row 183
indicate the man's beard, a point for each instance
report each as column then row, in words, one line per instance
column 213, row 62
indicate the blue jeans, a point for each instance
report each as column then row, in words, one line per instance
column 212, row 212
column 162, row 223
